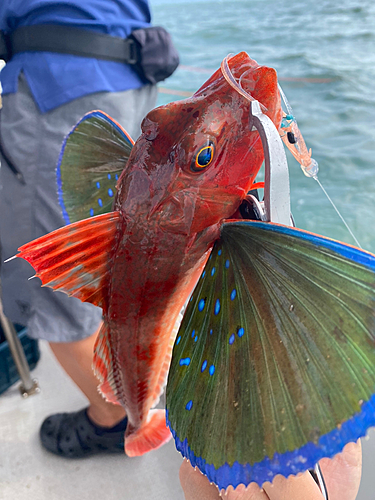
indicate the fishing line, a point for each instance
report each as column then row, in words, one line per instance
column 338, row 213
column 285, row 100
column 309, row 165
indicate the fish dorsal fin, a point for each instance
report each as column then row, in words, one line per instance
column 274, row 364
column 75, row 258
column 92, row 157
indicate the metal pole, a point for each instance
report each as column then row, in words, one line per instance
column 28, row 386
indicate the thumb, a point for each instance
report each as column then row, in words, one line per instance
column 342, row 474
column 196, row 485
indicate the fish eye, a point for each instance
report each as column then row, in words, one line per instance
column 203, row 158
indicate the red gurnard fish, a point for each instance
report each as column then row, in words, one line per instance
column 192, row 166
column 273, row 367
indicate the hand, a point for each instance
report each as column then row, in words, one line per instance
column 342, row 476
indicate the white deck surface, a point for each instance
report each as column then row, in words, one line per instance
column 27, row 472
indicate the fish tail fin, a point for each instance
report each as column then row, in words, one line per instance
column 104, row 366
column 153, row 434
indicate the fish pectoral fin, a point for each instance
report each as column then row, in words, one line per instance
column 92, row 157
column 153, row 434
column 74, row 259
column 274, row 363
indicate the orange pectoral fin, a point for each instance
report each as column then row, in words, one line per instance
column 74, row 259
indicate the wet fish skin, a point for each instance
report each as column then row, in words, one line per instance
column 190, row 169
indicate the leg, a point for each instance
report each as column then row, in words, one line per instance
column 76, row 359
column 100, row 427
column 33, row 210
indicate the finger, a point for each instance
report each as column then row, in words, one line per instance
column 196, row 486
column 342, row 474
column 252, row 492
column 293, row 488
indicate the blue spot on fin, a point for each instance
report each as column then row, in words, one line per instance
column 184, row 361
column 189, row 405
column 217, row 307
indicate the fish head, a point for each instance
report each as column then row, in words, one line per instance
column 198, row 156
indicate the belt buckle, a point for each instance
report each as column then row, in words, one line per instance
column 132, row 52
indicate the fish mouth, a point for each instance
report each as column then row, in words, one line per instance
column 248, row 80
column 236, row 83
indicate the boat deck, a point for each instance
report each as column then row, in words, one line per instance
column 28, row 472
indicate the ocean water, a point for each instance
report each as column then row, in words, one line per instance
column 324, row 54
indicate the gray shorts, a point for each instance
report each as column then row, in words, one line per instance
column 32, row 141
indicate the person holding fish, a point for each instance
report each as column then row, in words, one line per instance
column 64, row 59
column 272, row 367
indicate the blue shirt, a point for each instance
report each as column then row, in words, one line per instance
column 55, row 79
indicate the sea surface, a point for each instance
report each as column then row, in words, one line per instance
column 324, row 54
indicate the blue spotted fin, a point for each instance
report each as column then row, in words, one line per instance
column 92, row 158
column 274, row 364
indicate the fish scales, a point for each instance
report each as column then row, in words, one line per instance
column 145, row 304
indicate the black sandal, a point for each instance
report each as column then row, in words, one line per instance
column 74, row 435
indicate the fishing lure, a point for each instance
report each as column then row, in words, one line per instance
column 293, row 140
column 273, row 366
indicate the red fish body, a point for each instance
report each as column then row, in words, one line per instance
column 190, row 169
column 170, row 218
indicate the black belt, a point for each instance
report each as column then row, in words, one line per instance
column 68, row 40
